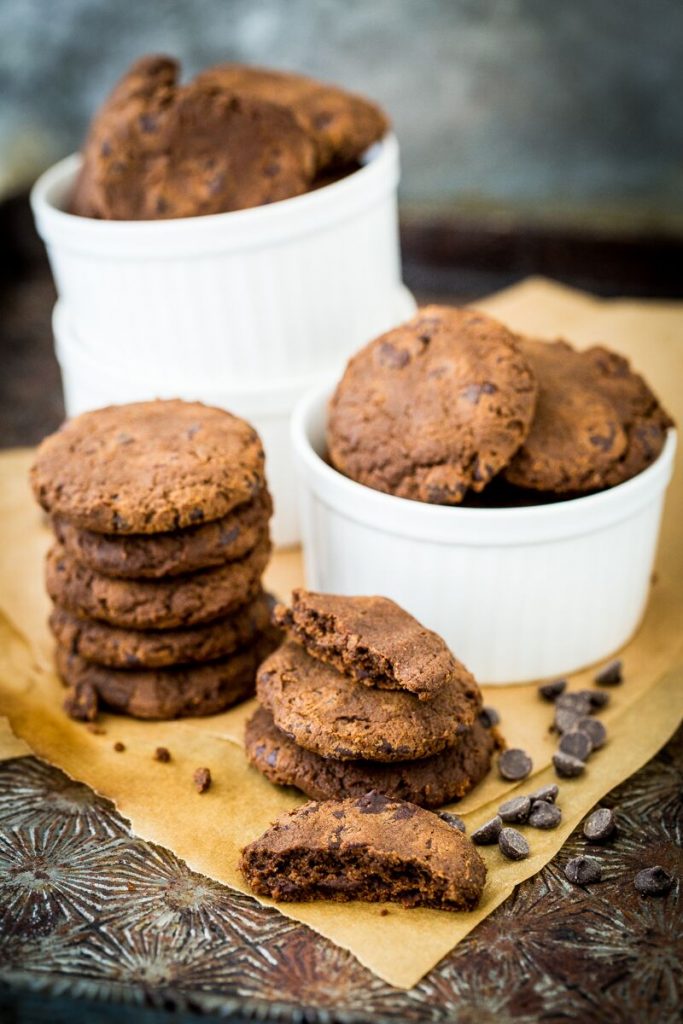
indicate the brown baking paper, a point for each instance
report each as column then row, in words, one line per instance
column 207, row 831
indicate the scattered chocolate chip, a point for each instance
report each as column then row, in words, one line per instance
column 514, row 764
column 453, row 820
column 611, row 674
column 550, row 691
column 516, row 809
column 579, row 702
column 545, row 815
column 489, row 717
column 576, row 743
column 202, row 779
column 567, row 766
column 565, row 719
column 162, row 754
column 488, row 833
column 119, row 746
column 599, row 826
column 583, row 870
column 598, row 698
column 594, row 729
column 548, row 793
column 655, row 881
column 512, row 844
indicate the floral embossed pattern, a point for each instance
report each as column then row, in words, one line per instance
column 88, row 909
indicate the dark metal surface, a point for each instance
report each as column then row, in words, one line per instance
column 90, row 912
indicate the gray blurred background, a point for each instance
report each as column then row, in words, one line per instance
column 537, row 136
column 532, row 108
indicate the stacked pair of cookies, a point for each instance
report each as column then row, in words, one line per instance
column 362, row 697
column 160, row 512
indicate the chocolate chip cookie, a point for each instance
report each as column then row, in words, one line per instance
column 433, row 408
column 155, row 604
column 157, row 555
column 334, row 716
column 187, row 692
column 596, row 423
column 149, row 467
column 429, row 782
column 341, row 124
column 368, row 848
column 371, row 639
column 160, row 150
column 109, row 645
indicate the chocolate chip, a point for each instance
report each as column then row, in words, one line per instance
column 565, row 720
column 579, row 702
column 512, row 844
column 610, row 675
column 567, row 766
column 202, row 779
column 514, row 764
column 119, row 746
column 489, row 717
column 598, row 698
column 594, row 729
column 488, row 833
column 545, row 815
column 655, row 881
column 576, row 743
column 551, row 691
column 162, row 754
column 548, row 793
column 583, row 870
column 599, row 826
column 372, row 803
column 453, row 820
column 395, row 358
column 516, row 809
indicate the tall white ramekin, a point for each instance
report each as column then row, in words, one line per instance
column 518, row 593
column 278, row 291
column 92, row 382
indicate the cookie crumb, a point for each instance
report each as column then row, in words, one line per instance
column 119, row 746
column 202, row 779
column 384, row 912
column 96, row 730
column 162, row 754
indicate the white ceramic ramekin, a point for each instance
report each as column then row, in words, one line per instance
column 518, row 593
column 282, row 290
column 90, row 383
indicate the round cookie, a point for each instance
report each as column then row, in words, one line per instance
column 189, row 692
column 430, row 782
column 149, row 467
column 596, row 424
column 334, row 716
column 342, row 125
column 433, row 408
column 158, row 555
column 159, row 150
column 129, row 648
column 155, row 604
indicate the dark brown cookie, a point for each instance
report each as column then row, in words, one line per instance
column 370, row 849
column 160, row 150
column 334, row 716
column 341, row 124
column 149, row 467
column 596, row 424
column 188, row 692
column 159, row 648
column 159, row 555
column 155, row 604
column 433, row 408
column 430, row 782
column 371, row 639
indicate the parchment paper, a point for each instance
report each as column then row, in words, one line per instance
column 207, row 831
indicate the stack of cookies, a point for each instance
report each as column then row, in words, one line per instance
column 160, row 512
column 362, row 697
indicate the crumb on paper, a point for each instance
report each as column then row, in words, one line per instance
column 95, row 729
column 119, row 746
column 162, row 754
column 202, row 779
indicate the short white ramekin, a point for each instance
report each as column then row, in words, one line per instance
column 518, row 593
column 282, row 290
column 90, row 383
